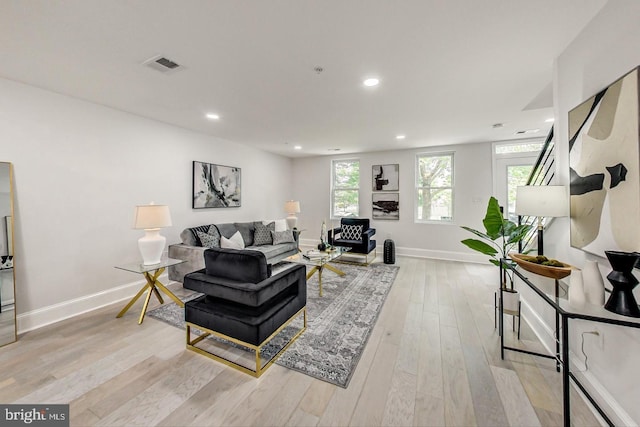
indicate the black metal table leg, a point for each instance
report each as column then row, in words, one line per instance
column 557, row 328
column 566, row 399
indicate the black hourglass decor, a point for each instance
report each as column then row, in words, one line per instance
column 621, row 300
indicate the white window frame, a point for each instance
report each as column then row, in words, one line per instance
column 502, row 160
column 418, row 188
column 334, row 188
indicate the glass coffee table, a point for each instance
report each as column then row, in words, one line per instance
column 318, row 264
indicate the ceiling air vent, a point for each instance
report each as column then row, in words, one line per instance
column 163, row 64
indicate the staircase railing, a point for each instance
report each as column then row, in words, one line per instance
column 542, row 174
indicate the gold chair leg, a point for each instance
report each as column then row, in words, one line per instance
column 259, row 369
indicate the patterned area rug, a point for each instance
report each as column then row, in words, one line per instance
column 338, row 324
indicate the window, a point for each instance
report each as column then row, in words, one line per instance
column 512, row 164
column 344, row 189
column 519, row 147
column 517, row 175
column 434, row 187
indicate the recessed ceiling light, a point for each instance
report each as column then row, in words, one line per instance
column 551, row 120
column 213, row 116
column 520, row 132
column 371, row 82
column 401, row 136
column 297, row 147
column 334, row 149
column 497, row 125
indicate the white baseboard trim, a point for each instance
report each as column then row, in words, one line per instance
column 443, row 255
column 607, row 402
column 420, row 253
column 55, row 313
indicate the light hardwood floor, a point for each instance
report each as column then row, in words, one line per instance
column 433, row 359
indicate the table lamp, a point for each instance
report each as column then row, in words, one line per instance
column 151, row 218
column 542, row 201
column 292, row 208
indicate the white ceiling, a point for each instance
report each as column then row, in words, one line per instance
column 449, row 69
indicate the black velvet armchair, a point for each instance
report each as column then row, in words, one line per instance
column 243, row 302
column 356, row 234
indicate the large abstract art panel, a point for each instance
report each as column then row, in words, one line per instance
column 215, row 186
column 604, row 161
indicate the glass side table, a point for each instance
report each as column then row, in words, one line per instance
column 151, row 273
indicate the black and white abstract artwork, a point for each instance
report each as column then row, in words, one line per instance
column 215, row 186
column 386, row 177
column 604, row 168
column 385, row 206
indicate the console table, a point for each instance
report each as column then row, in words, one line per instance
column 151, row 274
column 566, row 312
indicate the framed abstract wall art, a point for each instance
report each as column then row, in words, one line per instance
column 386, row 177
column 215, row 186
column 604, row 168
column 385, row 206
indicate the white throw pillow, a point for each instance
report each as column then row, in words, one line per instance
column 281, row 224
column 234, row 242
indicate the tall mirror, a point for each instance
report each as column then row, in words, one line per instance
column 7, row 277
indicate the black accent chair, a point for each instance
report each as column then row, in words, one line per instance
column 244, row 303
column 356, row 234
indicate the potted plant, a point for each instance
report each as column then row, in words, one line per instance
column 498, row 239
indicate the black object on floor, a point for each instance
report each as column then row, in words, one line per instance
column 389, row 252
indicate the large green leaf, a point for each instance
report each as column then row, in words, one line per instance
column 480, row 246
column 493, row 219
column 476, row 232
column 508, row 227
column 495, row 262
column 518, row 233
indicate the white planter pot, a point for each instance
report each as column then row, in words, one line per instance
column 511, row 302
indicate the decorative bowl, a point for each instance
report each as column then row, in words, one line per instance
column 542, row 270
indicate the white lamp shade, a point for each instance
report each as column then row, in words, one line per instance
column 151, row 216
column 542, row 200
column 292, row 207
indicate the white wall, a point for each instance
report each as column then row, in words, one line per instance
column 80, row 168
column 604, row 51
column 473, row 187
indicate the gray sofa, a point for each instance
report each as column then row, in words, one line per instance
column 191, row 249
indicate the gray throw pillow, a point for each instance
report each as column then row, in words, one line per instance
column 194, row 231
column 208, row 241
column 262, row 233
column 215, row 233
column 246, row 231
column 282, row 237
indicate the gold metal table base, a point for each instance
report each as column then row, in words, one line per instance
column 153, row 285
column 319, row 268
